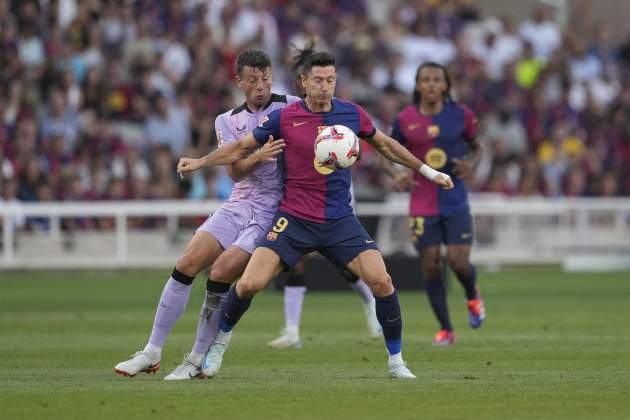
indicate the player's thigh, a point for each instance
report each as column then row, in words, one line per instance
column 230, row 265
column 344, row 239
column 426, row 231
column 370, row 266
column 458, row 229
column 202, row 250
column 226, row 224
column 290, row 238
column 459, row 237
column 262, row 267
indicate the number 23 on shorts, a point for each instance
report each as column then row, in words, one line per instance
column 416, row 224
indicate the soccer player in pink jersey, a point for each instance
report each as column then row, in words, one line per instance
column 227, row 239
column 315, row 213
column 442, row 132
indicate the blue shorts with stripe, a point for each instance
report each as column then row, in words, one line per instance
column 340, row 240
column 453, row 229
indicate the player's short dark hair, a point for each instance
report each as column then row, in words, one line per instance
column 430, row 64
column 307, row 58
column 252, row 58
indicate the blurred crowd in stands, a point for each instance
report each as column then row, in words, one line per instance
column 99, row 98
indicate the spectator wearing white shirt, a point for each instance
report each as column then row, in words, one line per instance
column 543, row 33
column 583, row 65
column 498, row 49
column 176, row 61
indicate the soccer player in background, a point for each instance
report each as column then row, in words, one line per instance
column 295, row 287
column 227, row 239
column 315, row 213
column 442, row 133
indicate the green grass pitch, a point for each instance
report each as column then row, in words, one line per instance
column 554, row 345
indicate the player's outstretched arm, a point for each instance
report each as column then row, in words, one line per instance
column 227, row 154
column 243, row 167
column 397, row 153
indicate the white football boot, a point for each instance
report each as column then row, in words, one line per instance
column 289, row 337
column 190, row 368
column 400, row 371
column 141, row 361
column 374, row 327
column 211, row 363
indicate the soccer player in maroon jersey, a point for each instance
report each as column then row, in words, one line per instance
column 442, row 133
column 315, row 213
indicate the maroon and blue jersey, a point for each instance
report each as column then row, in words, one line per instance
column 437, row 140
column 312, row 192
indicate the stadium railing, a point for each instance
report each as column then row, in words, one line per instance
column 580, row 233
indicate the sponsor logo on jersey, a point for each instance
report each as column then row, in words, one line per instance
column 435, row 158
column 412, row 127
column 324, row 170
column 241, row 128
column 297, row 124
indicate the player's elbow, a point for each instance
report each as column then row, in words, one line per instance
column 235, row 174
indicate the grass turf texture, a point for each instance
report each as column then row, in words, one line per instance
column 554, row 346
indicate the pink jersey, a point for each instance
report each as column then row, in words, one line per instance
column 263, row 187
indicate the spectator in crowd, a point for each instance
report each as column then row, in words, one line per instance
column 98, row 98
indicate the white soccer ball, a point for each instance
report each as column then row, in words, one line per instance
column 336, row 147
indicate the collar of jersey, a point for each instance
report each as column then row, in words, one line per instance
column 267, row 105
column 303, row 105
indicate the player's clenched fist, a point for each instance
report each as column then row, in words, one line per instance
column 443, row 181
column 437, row 177
column 186, row 165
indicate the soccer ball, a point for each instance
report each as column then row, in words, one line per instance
column 336, row 147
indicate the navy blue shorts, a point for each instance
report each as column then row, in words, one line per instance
column 338, row 240
column 453, row 229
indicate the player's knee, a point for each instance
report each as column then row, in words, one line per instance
column 431, row 272
column 458, row 265
column 247, row 288
column 222, row 272
column 381, row 285
column 431, row 267
column 189, row 264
